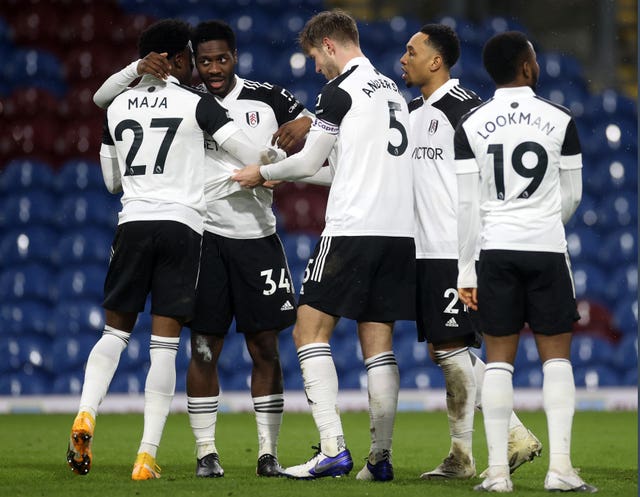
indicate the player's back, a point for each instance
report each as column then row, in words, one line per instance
column 160, row 150
column 518, row 140
column 433, row 123
column 372, row 190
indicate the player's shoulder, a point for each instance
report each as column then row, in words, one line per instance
column 554, row 105
column 456, row 103
column 476, row 112
column 256, row 90
column 415, row 104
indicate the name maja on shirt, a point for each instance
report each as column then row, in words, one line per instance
column 148, row 103
column 513, row 118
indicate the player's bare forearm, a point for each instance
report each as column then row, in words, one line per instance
column 291, row 133
column 155, row 64
column 248, row 177
column 469, row 297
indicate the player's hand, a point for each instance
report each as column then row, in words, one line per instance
column 288, row 136
column 155, row 64
column 248, row 177
column 272, row 184
column 469, row 297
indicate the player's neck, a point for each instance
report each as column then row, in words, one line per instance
column 347, row 55
column 436, row 81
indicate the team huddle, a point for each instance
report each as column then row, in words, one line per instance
column 472, row 250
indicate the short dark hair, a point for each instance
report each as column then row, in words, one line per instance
column 213, row 30
column 169, row 35
column 445, row 41
column 336, row 24
column 503, row 54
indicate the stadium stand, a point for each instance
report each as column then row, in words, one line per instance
column 57, row 220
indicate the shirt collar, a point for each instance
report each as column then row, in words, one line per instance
column 440, row 92
column 355, row 62
column 517, row 91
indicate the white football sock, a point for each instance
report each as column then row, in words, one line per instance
column 478, row 371
column 268, row 409
column 321, row 388
column 497, row 399
column 203, row 414
column 383, row 380
column 559, row 397
column 158, row 390
column 101, row 366
column 460, row 383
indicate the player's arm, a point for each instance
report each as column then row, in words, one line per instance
column 109, row 162
column 570, row 172
column 154, row 63
column 468, row 217
column 290, row 134
column 214, row 119
column 305, row 163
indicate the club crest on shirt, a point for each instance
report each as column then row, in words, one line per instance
column 253, row 118
column 433, row 126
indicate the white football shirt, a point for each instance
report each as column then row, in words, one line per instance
column 372, row 189
column 155, row 130
column 433, row 122
column 518, row 142
column 259, row 109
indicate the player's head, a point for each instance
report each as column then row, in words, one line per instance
column 510, row 60
column 171, row 36
column 431, row 52
column 325, row 32
column 216, row 55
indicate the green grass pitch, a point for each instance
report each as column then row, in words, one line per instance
column 32, row 459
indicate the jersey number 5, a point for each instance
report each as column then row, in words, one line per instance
column 536, row 173
column 171, row 123
column 395, row 124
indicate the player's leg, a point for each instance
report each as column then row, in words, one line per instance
column 263, row 303
column 211, row 320
column 268, row 398
column 551, row 315
column 203, row 394
column 126, row 288
column 176, row 260
column 383, row 385
column 311, row 335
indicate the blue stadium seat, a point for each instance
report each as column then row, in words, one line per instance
column 610, row 103
column 619, row 247
column 33, row 67
column 24, row 316
column 29, row 281
column 491, row 26
column 589, row 351
column 288, row 353
column 527, row 356
column 26, row 174
column 468, row 32
column 128, row 382
column 298, row 247
column 557, row 66
column 354, row 379
column 250, row 26
column 611, row 135
column 83, row 245
column 346, row 353
column 77, row 317
column 136, row 355
column 293, row 380
column 619, row 209
column 530, row 377
column 622, row 283
column 79, row 175
column 27, row 208
column 625, row 315
column 34, row 348
column 84, row 281
column 68, row 383
column 28, row 244
column 69, row 354
column 345, row 328
column 614, row 172
column 237, row 381
column 184, row 350
column 630, row 378
column 235, row 355
column 625, row 357
column 596, row 376
column 589, row 280
column 30, row 382
column 88, row 209
column 10, row 353
column 422, row 378
column 583, row 244
column 586, row 214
